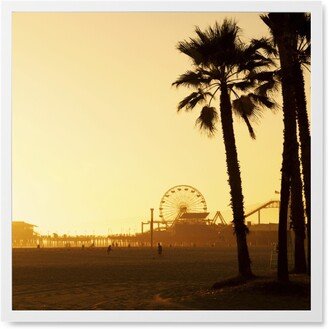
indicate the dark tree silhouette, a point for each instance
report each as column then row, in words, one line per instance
column 285, row 36
column 270, row 81
column 301, row 24
column 221, row 64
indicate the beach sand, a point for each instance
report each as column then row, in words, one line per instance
column 138, row 279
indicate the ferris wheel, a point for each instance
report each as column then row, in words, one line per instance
column 179, row 200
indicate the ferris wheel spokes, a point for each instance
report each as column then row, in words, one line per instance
column 180, row 199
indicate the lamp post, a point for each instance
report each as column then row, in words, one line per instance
column 151, row 227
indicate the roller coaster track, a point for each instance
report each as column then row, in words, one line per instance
column 266, row 205
column 269, row 204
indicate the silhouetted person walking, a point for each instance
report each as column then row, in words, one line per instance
column 159, row 249
column 109, row 249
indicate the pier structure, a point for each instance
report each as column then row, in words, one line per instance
column 185, row 228
column 79, row 241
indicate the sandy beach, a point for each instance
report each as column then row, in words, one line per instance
column 137, row 279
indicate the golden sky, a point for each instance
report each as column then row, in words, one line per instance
column 96, row 137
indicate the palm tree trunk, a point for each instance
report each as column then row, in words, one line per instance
column 305, row 139
column 297, row 215
column 282, row 272
column 285, row 42
column 237, row 199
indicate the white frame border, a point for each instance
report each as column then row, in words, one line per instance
column 315, row 314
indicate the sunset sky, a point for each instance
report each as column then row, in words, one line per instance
column 96, row 136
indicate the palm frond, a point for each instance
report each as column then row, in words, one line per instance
column 301, row 24
column 267, row 87
column 249, row 127
column 262, row 75
column 215, row 46
column 245, row 108
column 191, row 49
column 270, row 22
column 192, row 79
column 266, row 45
column 261, row 100
column 267, row 81
column 242, row 85
column 249, row 108
column 193, row 99
column 267, row 21
column 304, row 56
column 243, row 105
column 207, row 119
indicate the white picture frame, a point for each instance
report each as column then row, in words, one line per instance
column 313, row 315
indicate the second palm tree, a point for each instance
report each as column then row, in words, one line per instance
column 222, row 64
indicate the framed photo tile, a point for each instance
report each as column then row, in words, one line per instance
column 161, row 161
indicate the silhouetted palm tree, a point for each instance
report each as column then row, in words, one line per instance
column 301, row 23
column 269, row 81
column 221, row 63
column 286, row 38
column 299, row 27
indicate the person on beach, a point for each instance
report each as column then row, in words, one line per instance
column 109, row 249
column 159, row 249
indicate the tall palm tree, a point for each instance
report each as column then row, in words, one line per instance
column 269, row 81
column 282, row 27
column 221, row 63
column 301, row 24
column 300, row 49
